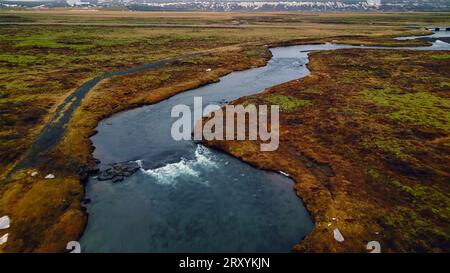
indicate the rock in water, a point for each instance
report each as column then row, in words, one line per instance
column 118, row 178
column 4, row 222
column 337, row 235
column 118, row 171
column 131, row 166
column 105, row 175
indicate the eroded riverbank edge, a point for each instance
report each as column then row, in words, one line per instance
column 60, row 223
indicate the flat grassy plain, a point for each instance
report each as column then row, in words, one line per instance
column 270, row 19
column 46, row 59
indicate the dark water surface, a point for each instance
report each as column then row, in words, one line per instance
column 186, row 197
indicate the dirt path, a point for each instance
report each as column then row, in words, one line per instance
column 55, row 128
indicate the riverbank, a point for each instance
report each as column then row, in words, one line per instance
column 368, row 152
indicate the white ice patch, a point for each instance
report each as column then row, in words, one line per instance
column 4, row 239
column 4, row 222
column 50, row 176
column 170, row 173
column 338, row 235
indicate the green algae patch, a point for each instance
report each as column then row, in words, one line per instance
column 287, row 103
column 419, row 108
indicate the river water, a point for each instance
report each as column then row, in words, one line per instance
column 186, row 197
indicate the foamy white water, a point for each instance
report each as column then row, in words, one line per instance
column 170, row 173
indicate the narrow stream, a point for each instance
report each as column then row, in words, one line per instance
column 186, row 197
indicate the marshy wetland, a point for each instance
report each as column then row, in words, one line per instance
column 353, row 148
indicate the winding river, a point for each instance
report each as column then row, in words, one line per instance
column 186, row 197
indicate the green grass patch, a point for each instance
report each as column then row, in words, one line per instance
column 287, row 103
column 18, row 59
column 251, row 53
column 340, row 58
column 247, row 102
column 441, row 57
column 415, row 227
column 429, row 202
column 391, row 146
column 420, row 108
column 373, row 173
column 353, row 112
column 68, row 39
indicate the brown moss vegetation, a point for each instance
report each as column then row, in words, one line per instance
column 370, row 149
column 45, row 213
